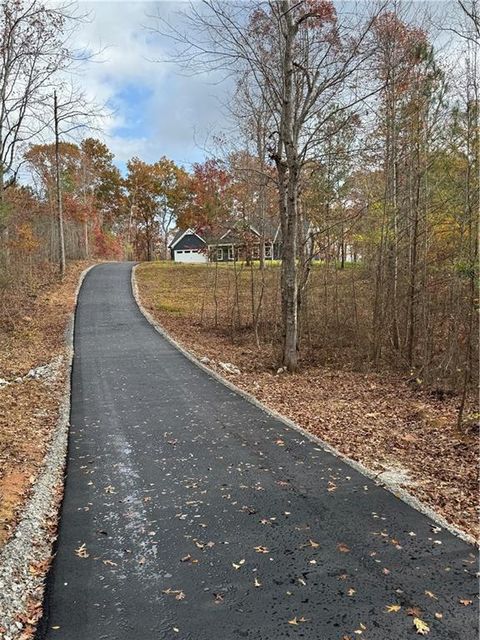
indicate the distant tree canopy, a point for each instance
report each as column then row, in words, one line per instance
column 353, row 136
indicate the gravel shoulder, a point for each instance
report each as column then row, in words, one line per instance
column 35, row 364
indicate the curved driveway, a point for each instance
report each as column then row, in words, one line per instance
column 189, row 513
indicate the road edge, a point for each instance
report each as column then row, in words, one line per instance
column 32, row 543
column 393, row 488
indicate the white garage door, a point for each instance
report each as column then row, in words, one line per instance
column 190, row 255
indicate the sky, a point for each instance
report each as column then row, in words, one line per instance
column 155, row 108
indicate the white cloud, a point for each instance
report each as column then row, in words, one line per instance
column 155, row 110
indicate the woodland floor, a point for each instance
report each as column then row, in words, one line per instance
column 376, row 418
column 34, row 318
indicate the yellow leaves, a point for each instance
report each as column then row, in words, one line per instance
column 237, row 566
column 393, row 608
column 261, row 549
column 26, row 240
column 256, row 582
column 421, row 626
column 280, row 442
column 431, row 595
column 310, row 543
column 188, row 558
column 178, row 593
column 296, row 621
column 351, row 592
column 110, row 563
column 343, row 548
column 82, row 552
column 204, row 545
column 360, row 630
column 466, row 603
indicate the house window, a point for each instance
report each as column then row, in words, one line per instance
column 179, row 251
column 219, row 254
column 230, row 253
column 256, row 252
column 268, row 251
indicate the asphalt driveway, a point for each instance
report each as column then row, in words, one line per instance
column 189, row 513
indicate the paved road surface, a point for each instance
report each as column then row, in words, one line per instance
column 175, row 488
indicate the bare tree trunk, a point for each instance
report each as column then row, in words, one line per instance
column 61, row 236
column 289, row 177
column 85, row 238
column 215, row 297
column 472, row 206
column 4, row 218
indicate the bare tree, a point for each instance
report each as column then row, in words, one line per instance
column 72, row 112
column 303, row 62
column 33, row 50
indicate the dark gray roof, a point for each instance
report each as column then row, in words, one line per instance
column 177, row 235
column 229, row 231
column 181, row 232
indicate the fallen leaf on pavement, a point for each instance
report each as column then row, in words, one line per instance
column 310, row 543
column 82, row 552
column 238, row 565
column 296, row 621
column 421, row 626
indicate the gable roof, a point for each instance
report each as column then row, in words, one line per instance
column 231, row 231
column 180, row 234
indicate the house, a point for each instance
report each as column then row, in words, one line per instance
column 242, row 241
column 188, row 246
column 235, row 241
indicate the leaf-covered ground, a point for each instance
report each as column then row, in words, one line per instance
column 379, row 419
column 32, row 340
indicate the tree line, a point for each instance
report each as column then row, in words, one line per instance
column 365, row 123
column 353, row 130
